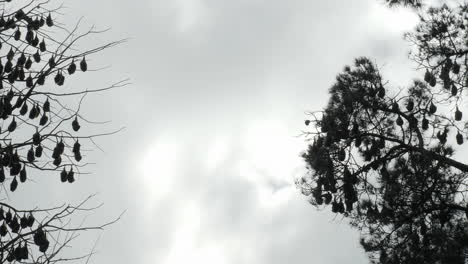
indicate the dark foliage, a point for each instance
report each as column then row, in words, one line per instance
column 385, row 160
column 409, row 3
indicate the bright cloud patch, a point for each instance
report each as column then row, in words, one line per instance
column 190, row 13
column 159, row 168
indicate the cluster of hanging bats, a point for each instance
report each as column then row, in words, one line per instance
column 15, row 223
column 28, row 64
column 429, row 77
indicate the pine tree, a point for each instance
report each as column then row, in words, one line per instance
column 385, row 159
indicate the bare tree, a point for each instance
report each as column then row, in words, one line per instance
column 39, row 131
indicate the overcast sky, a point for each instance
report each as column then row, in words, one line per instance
column 205, row 166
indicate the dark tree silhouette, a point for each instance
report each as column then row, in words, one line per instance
column 409, row 3
column 385, row 160
column 39, row 131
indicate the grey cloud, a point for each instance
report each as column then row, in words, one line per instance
column 241, row 62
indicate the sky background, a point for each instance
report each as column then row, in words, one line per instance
column 206, row 163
